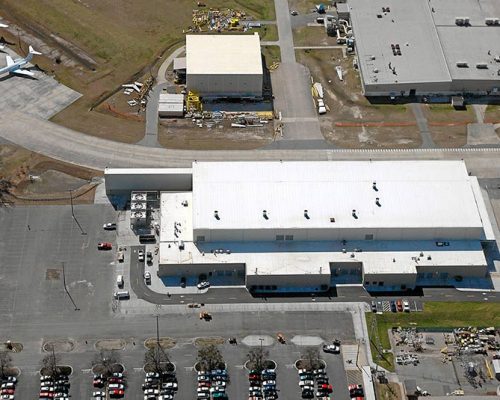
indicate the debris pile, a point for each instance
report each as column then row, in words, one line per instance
column 474, row 340
column 216, row 20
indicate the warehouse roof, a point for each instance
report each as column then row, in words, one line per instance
column 223, row 54
column 422, row 194
column 430, row 41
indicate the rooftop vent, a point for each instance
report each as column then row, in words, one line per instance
column 377, row 202
column 482, row 65
column 264, row 214
column 216, row 215
column 374, row 186
column 332, row 219
column 354, row 215
column 492, row 21
column 462, row 64
column 462, row 21
column 306, row 214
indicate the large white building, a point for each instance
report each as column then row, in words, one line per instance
column 426, row 47
column 224, row 65
column 309, row 225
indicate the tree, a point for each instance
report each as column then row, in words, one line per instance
column 311, row 359
column 157, row 359
column 106, row 361
column 257, row 358
column 5, row 363
column 50, row 364
column 5, row 187
column 210, row 357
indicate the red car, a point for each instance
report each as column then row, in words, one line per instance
column 116, row 393
column 8, row 391
column 104, row 246
column 47, row 394
column 356, row 392
column 115, row 380
column 326, row 387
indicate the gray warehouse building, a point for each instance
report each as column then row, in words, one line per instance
column 427, row 47
column 224, row 65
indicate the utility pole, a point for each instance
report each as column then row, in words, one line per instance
column 66, row 289
column 73, row 212
column 158, row 330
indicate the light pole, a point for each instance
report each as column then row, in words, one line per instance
column 66, row 288
column 73, row 212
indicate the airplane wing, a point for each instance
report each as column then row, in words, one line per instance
column 9, row 60
column 23, row 72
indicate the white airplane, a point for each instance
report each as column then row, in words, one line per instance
column 15, row 66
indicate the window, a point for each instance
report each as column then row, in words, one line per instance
column 289, row 237
column 381, row 283
column 369, row 236
column 200, row 238
column 375, row 283
column 367, row 283
column 280, row 237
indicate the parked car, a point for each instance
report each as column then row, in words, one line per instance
column 399, row 305
column 141, row 255
column 406, row 306
column 203, row 285
column 104, row 246
column 294, row 12
column 321, row 107
column 147, row 277
column 331, row 348
column 110, row 226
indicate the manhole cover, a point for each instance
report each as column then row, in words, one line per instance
column 53, row 274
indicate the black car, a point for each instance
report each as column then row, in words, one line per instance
column 393, row 306
column 307, row 394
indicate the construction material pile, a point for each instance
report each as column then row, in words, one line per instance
column 474, row 340
column 216, row 20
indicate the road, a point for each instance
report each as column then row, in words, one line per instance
column 64, row 144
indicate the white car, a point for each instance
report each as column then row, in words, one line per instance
column 406, row 306
column 147, row 277
column 141, row 255
column 306, row 383
column 331, row 348
column 169, row 385
column 321, row 107
column 203, row 285
column 98, row 394
column 7, row 397
column 116, row 386
column 110, row 226
column 203, row 389
column 152, row 391
column 269, row 383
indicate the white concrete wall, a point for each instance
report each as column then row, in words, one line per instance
column 389, row 280
column 302, row 280
column 232, row 85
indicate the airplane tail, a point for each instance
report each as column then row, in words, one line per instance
column 34, row 52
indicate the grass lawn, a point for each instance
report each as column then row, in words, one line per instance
column 267, row 33
column 435, row 315
column 272, row 54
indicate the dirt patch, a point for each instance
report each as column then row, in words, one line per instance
column 352, row 120
column 13, row 347
column 105, row 370
column 447, row 125
column 59, row 346
column 53, row 274
column 267, row 364
column 313, row 36
column 110, row 344
column 207, row 341
column 301, row 6
column 272, row 54
column 183, row 134
column 169, row 367
column 388, row 391
column 23, row 168
column 165, row 343
column 66, row 370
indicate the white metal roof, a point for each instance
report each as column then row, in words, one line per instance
column 431, row 43
column 433, row 194
column 223, row 54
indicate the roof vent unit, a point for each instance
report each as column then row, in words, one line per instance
column 216, row 215
column 377, row 202
column 374, row 186
column 372, row 58
column 306, row 214
column 497, row 58
column 492, row 21
column 482, row 65
column 462, row 21
column 264, row 214
column 375, row 70
column 462, row 64
column 354, row 215
column 332, row 219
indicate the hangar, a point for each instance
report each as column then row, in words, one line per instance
column 427, row 47
column 306, row 226
column 224, row 65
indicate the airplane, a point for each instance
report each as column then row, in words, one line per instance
column 15, row 66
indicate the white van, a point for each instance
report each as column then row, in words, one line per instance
column 121, row 294
column 119, row 281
